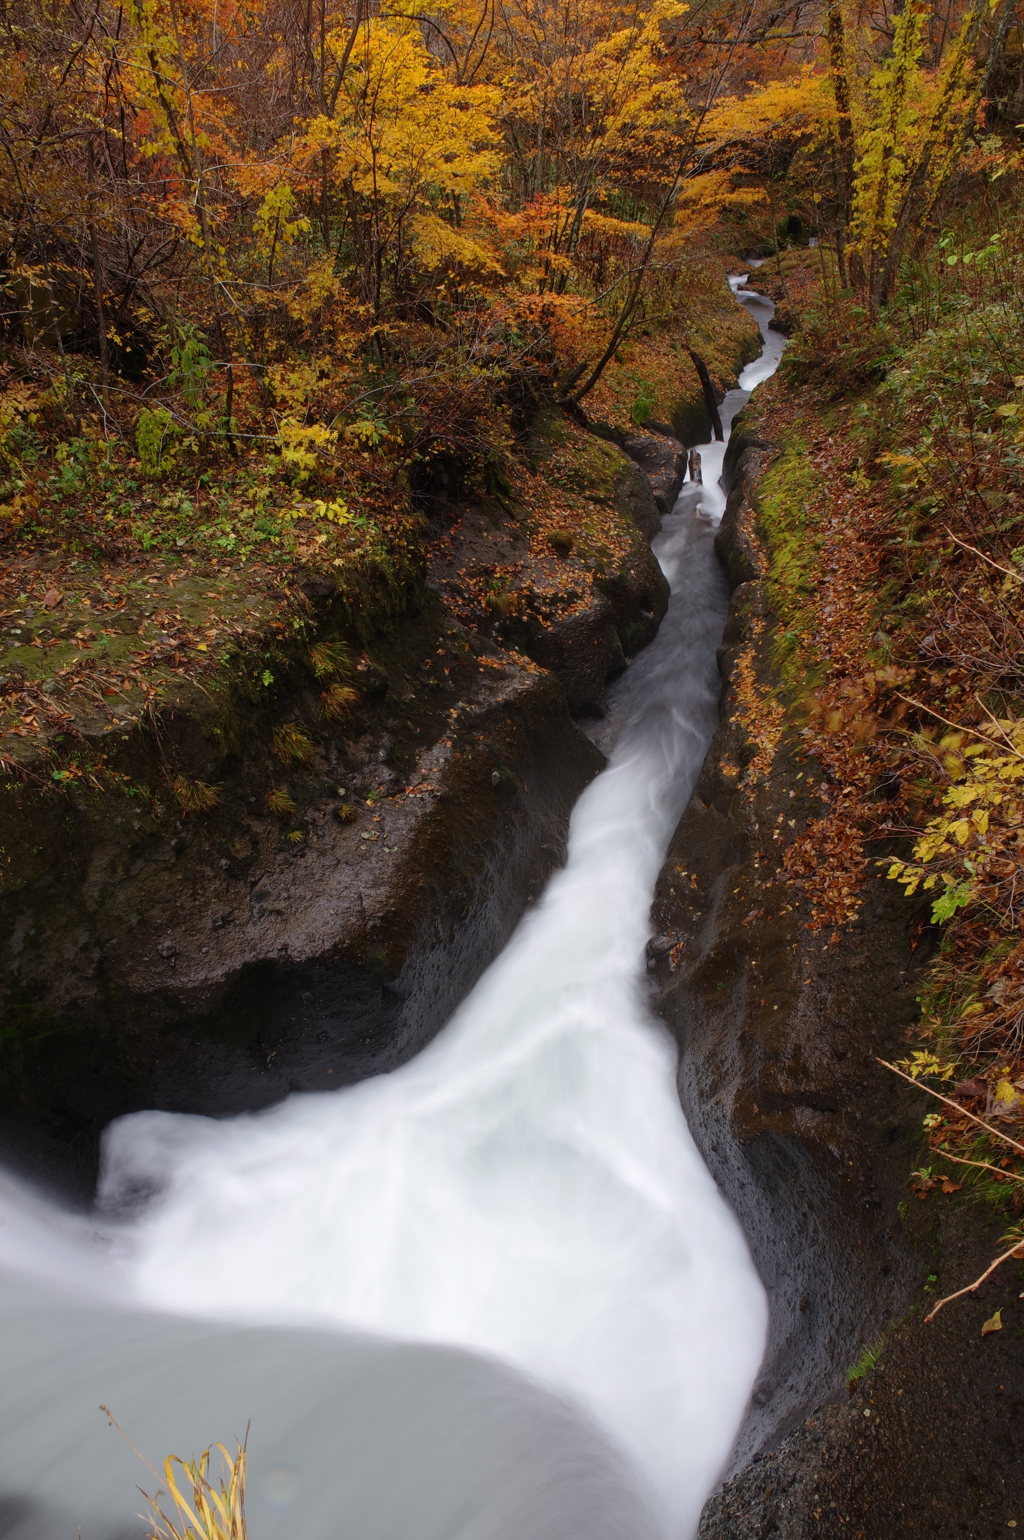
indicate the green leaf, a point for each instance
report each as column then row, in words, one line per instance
column 954, row 898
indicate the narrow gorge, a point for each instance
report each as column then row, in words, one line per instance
column 511, row 771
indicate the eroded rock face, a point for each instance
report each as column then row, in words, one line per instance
column 779, row 1030
column 812, row 1142
column 663, row 461
column 212, row 965
column 589, row 648
column 574, row 605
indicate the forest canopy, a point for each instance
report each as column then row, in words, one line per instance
column 326, row 231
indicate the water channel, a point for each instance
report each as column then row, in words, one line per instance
column 493, row 1294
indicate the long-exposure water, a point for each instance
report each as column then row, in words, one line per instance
column 493, row 1293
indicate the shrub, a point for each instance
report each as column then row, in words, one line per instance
column 156, row 433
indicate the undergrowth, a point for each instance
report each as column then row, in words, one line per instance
column 894, row 526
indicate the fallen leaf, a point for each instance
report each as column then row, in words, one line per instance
column 994, row 1323
column 948, row 1186
column 52, row 598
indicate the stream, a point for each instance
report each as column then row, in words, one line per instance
column 494, row 1294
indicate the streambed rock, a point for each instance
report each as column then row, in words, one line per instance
column 579, row 600
column 662, row 459
column 213, row 964
column 812, row 1142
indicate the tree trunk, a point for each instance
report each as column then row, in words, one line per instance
column 97, row 279
column 710, row 399
column 840, row 79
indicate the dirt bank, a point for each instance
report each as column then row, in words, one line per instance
column 780, row 1030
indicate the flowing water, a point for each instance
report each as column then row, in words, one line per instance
column 494, row 1293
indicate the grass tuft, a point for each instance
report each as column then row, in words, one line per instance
column 330, row 659
column 291, row 745
column 200, row 1510
column 866, row 1362
column 338, row 701
column 280, row 803
column 194, row 796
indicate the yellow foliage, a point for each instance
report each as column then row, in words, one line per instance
column 438, row 242
column 779, row 111
column 299, row 445
column 275, row 222
column 335, row 511
column 402, row 134
column 960, row 852
column 295, row 385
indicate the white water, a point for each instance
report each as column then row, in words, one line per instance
column 526, row 1189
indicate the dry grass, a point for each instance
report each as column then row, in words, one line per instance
column 194, row 796
column 199, row 1510
column 329, row 659
column 280, row 803
column 291, row 745
column 338, row 701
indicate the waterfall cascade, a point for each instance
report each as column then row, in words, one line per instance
column 494, row 1293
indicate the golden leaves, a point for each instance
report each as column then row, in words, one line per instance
column 438, row 242
column 962, row 851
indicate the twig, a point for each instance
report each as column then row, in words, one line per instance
column 115, row 1424
column 982, row 1165
column 955, row 1105
column 1017, row 577
column 958, row 727
column 18, row 772
column 1009, row 741
column 1016, row 1250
